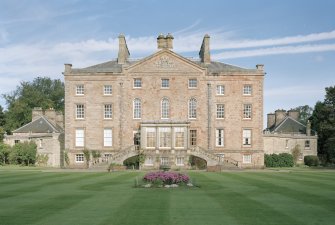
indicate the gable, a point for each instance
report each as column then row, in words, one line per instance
column 166, row 61
column 40, row 125
column 290, row 125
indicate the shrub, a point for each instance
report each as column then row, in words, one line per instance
column 311, row 160
column 4, row 153
column 280, row 160
column 23, row 153
column 166, row 178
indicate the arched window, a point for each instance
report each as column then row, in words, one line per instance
column 137, row 106
column 192, row 108
column 165, row 108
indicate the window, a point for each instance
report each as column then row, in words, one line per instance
column 180, row 161
column 179, row 133
column 108, row 137
column 246, row 137
column 40, row 143
column 193, row 137
column 137, row 108
column 165, row 108
column 108, row 89
column 164, row 137
column 220, row 89
column 219, row 137
column 80, row 89
column 220, row 111
column 16, row 141
column 165, row 83
column 80, row 137
column 192, row 108
column 307, row 144
column 286, row 144
column 137, row 83
column 80, row 112
column 247, row 111
column 151, row 137
column 192, row 83
column 247, row 89
column 80, row 158
column 149, row 161
column 246, row 158
column 108, row 112
column 165, row 161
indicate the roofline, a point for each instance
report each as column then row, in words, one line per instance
column 286, row 118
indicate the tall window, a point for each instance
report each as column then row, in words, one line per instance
column 220, row 111
column 80, row 137
column 165, row 108
column 149, row 161
column 108, row 112
column 137, row 108
column 165, row 83
column 108, row 89
column 137, row 83
column 220, row 137
column 179, row 133
column 165, row 161
column 246, row 158
column 246, row 137
column 151, row 137
column 180, row 161
column 247, row 89
column 108, row 137
column 80, row 89
column 192, row 108
column 164, row 137
column 247, row 111
column 193, row 137
column 192, row 83
column 220, row 89
column 80, row 111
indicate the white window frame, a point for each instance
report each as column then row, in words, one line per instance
column 165, row 108
column 80, row 89
column 108, row 89
column 79, row 158
column 108, row 137
column 151, row 130
column 79, row 137
column 108, row 111
column 167, row 138
column 247, row 137
column 80, row 111
column 219, row 140
column 193, row 138
column 182, row 131
column 247, row 111
column 247, row 89
column 247, row 158
column 165, row 83
column 180, row 161
column 220, row 111
column 192, row 108
column 137, row 108
column 137, row 83
column 220, row 89
column 192, row 83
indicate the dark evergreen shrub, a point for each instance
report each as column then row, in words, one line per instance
column 311, row 160
column 280, row 160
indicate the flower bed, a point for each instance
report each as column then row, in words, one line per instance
column 166, row 178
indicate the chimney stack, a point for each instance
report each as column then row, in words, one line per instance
column 280, row 115
column 271, row 120
column 123, row 50
column 294, row 114
column 308, row 128
column 169, row 41
column 165, row 41
column 260, row 66
column 204, row 53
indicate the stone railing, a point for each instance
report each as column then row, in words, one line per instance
column 206, row 154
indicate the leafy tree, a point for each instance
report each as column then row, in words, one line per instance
column 305, row 112
column 23, row 153
column 4, row 153
column 323, row 121
column 41, row 92
column 2, row 123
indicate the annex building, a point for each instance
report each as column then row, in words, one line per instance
column 167, row 107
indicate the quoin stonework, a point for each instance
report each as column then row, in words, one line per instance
column 167, row 107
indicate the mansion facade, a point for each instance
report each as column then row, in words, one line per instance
column 167, row 107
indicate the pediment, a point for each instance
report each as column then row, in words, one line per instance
column 165, row 61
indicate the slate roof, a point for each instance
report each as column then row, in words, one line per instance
column 289, row 125
column 40, row 125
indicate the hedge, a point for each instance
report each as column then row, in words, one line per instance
column 311, row 160
column 280, row 160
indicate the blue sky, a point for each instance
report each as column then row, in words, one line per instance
column 295, row 40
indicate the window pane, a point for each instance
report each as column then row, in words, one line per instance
column 108, row 89
column 179, row 137
column 220, row 89
column 80, row 112
column 220, row 111
column 80, row 137
column 246, row 158
column 165, row 137
column 192, row 83
column 165, row 83
column 80, row 89
column 151, row 137
column 108, row 137
column 192, row 108
column 193, row 137
column 137, row 108
column 165, row 108
column 219, row 137
column 247, row 111
column 247, row 90
column 137, row 82
column 108, row 113
column 247, row 137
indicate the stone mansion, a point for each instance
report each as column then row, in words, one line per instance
column 167, row 107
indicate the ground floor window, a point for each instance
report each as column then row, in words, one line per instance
column 151, row 137
column 165, row 137
column 179, row 137
column 246, row 158
column 79, row 158
column 180, row 161
column 149, row 161
column 164, row 161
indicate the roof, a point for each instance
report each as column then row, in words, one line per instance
column 289, row 125
column 40, row 125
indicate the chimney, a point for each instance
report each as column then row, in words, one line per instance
column 294, row 114
column 169, row 41
column 68, row 68
column 123, row 50
column 204, row 53
column 280, row 115
column 161, row 42
column 36, row 113
column 308, row 128
column 260, row 66
column 271, row 120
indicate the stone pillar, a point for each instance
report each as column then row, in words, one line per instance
column 123, row 54
column 204, row 53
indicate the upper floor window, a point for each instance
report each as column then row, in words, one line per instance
column 164, row 137
column 80, row 111
column 151, row 137
column 80, row 89
column 165, row 83
column 247, row 110
column 179, row 134
column 219, row 137
column 193, row 137
column 108, row 111
column 220, row 111
column 192, row 83
column 80, row 137
column 137, row 108
column 247, row 89
column 220, row 89
column 137, row 82
column 165, row 110
column 246, row 137
column 107, row 89
column 307, row 144
column 108, row 137
column 192, row 108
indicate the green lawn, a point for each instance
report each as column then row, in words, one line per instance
column 76, row 198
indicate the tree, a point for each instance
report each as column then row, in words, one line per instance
column 41, row 92
column 4, row 153
column 323, row 121
column 305, row 112
column 2, row 123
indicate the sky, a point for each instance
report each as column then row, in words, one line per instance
column 295, row 40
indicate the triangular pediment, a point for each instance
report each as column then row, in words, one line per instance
column 165, row 61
